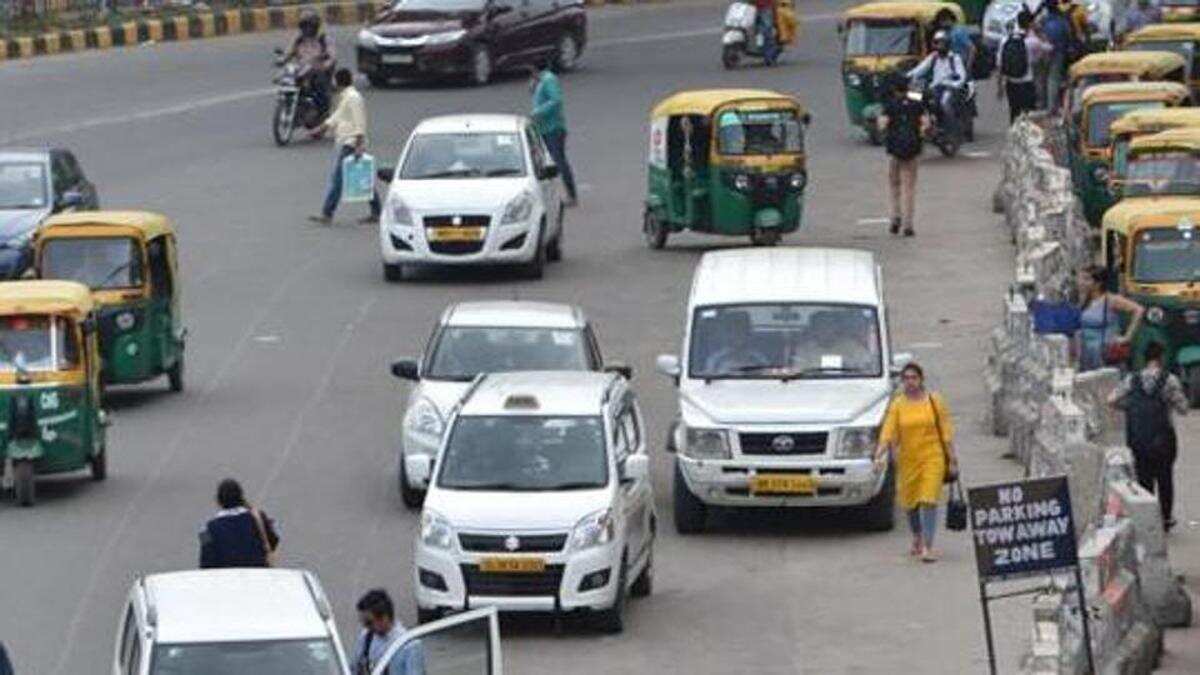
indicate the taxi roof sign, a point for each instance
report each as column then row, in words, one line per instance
column 521, row 402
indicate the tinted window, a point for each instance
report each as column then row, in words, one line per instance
column 461, row 353
column 292, row 657
column 23, row 185
column 1163, row 173
column 463, row 156
column 525, row 453
column 101, row 262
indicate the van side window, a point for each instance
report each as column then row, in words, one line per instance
column 160, row 268
column 128, row 635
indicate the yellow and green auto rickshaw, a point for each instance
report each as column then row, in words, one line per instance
column 1180, row 38
column 1142, row 123
column 1133, row 66
column 49, row 385
column 1089, row 141
column 880, row 38
column 129, row 260
column 726, row 161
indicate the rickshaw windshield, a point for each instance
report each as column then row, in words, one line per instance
column 1165, row 173
column 96, row 262
column 22, row 185
column 881, row 38
column 461, row 353
column 773, row 341
column 37, row 343
column 1166, row 254
column 1102, row 115
column 1184, row 48
column 759, row 132
column 1120, row 156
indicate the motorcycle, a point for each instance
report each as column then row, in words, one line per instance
column 296, row 101
column 949, row 134
column 742, row 38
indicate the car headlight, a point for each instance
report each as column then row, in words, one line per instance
column 798, row 180
column 401, row 216
column 1156, row 315
column 853, row 80
column 742, row 182
column 422, row 418
column 518, row 210
column 436, row 531
column 1100, row 174
column 595, row 529
column 366, row 38
column 706, row 443
column 857, row 442
column 447, row 36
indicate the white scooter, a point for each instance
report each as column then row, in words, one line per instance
column 741, row 37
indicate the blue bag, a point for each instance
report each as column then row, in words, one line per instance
column 358, row 178
column 1055, row 317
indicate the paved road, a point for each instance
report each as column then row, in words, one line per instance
column 292, row 329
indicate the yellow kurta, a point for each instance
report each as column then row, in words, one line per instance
column 920, row 459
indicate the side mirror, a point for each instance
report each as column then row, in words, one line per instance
column 547, row 172
column 70, row 199
column 667, row 364
column 418, row 467
column 635, row 467
column 385, row 173
column 620, row 369
column 899, row 360
column 407, row 369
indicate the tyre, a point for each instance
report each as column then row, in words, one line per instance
column 690, row 513
column 566, row 55
column 554, row 250
column 428, row 615
column 24, row 484
column 378, row 81
column 948, row 143
column 730, row 56
column 654, row 231
column 536, row 268
column 393, row 272
column 879, row 514
column 481, row 65
column 99, row 464
column 761, row 237
column 175, row 374
column 612, row 620
column 412, row 497
column 283, row 123
column 1192, row 375
column 644, row 584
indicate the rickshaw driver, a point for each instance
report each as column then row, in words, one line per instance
column 24, row 345
column 946, row 75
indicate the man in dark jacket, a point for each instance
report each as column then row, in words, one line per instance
column 234, row 537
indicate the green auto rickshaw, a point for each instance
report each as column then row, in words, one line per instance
column 49, row 385
column 880, row 38
column 129, row 260
column 726, row 161
column 1145, row 122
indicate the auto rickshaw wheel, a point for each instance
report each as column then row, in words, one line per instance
column 1192, row 375
column 730, row 56
column 99, row 463
column 765, row 237
column 175, row 374
column 652, row 228
column 24, row 486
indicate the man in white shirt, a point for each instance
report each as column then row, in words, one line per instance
column 1020, row 88
column 945, row 72
column 348, row 122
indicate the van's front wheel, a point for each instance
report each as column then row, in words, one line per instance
column 691, row 514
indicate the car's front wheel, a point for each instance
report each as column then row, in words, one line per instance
column 412, row 497
column 612, row 620
column 393, row 272
column 536, row 267
column 879, row 514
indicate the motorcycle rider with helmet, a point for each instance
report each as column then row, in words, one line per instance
column 946, row 77
column 314, row 51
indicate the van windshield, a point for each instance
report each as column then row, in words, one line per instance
column 96, row 262
column 37, row 343
column 881, row 38
column 1166, row 254
column 794, row 340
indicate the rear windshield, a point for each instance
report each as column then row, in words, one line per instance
column 99, row 262
column 881, row 38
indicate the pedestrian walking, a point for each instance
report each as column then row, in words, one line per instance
column 764, row 18
column 1015, row 63
column 1148, row 398
column 1101, row 341
column 919, row 432
column 1058, row 33
column 551, row 123
column 380, row 629
column 239, row 535
column 903, row 123
column 348, row 122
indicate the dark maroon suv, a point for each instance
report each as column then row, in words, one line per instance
column 435, row 38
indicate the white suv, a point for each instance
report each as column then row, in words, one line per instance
column 229, row 621
column 486, row 337
column 471, row 190
column 784, row 378
column 540, row 501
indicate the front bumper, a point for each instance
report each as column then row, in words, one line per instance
column 555, row 590
column 502, row 244
column 412, row 445
column 840, row 482
column 428, row 60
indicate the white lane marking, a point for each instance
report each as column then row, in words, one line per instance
column 874, row 221
column 925, row 345
column 977, row 154
column 268, row 339
column 679, row 35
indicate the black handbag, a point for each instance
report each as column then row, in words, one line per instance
column 956, row 508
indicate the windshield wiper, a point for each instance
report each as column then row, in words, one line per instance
column 832, row 369
column 453, row 173
column 120, row 268
column 576, row 485
column 504, row 172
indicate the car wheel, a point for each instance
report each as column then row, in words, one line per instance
column 481, row 65
column 175, row 374
column 879, row 514
column 612, row 620
column 24, row 486
column 653, row 230
column 566, row 56
column 691, row 514
column 554, row 251
column 412, row 497
column 536, row 268
column 393, row 272
column 99, row 464
column 644, row 584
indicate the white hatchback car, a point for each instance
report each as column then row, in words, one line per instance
column 541, row 499
column 472, row 190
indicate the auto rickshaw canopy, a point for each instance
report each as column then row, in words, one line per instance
column 1185, row 139
column 38, row 296
column 143, row 225
column 1135, row 64
column 924, row 12
column 1162, row 32
column 707, row 101
column 1110, row 92
column 1150, row 120
column 1130, row 215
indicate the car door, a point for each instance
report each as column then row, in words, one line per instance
column 505, row 20
column 542, row 28
column 463, row 643
column 540, row 159
column 635, row 495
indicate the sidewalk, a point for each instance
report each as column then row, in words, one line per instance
column 1182, row 645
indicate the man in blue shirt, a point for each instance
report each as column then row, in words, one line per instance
column 380, row 629
column 1058, row 33
column 551, row 123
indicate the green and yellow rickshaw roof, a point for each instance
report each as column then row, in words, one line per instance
column 1142, row 64
column 925, row 12
column 707, row 101
column 39, row 296
column 1130, row 215
column 1161, row 32
column 1111, row 92
column 144, row 225
column 1183, row 140
column 1155, row 119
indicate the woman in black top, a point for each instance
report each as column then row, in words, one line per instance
column 903, row 122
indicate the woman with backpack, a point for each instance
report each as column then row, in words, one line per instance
column 1016, row 59
column 903, row 122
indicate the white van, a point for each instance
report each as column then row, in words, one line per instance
column 784, row 377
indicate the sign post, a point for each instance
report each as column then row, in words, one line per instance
column 1023, row 529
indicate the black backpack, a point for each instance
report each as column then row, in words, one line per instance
column 1014, row 58
column 1147, row 416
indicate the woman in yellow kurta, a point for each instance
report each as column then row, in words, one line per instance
column 912, row 425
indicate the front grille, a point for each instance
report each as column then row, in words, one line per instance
column 455, row 247
column 784, row 443
column 525, row 584
column 527, row 543
column 464, row 221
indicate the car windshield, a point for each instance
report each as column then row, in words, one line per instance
column 881, row 38
column 525, row 452
column 1102, row 115
column 279, row 657
column 461, row 353
column 96, row 262
column 1166, row 173
column 1166, row 254
column 23, row 185
column 438, row 6
column 763, row 132
column 37, row 343
column 785, row 341
column 472, row 155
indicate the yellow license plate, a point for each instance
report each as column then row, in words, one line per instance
column 791, row 484
column 455, row 234
column 514, row 565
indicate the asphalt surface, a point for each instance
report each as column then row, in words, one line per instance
column 292, row 329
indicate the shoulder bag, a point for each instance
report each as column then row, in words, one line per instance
column 951, row 476
column 1116, row 353
column 268, row 550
